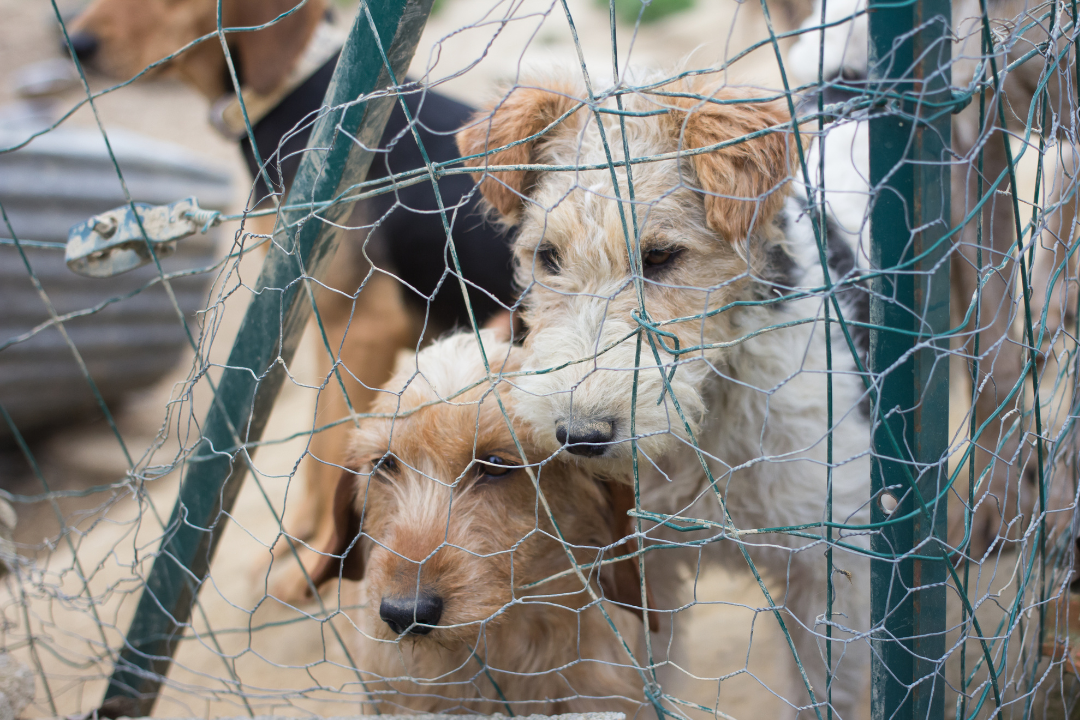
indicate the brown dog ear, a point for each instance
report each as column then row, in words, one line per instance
column 346, row 531
column 524, row 112
column 267, row 55
column 744, row 182
column 621, row 581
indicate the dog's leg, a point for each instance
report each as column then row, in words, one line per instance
column 1007, row 489
column 1000, row 365
column 1052, row 253
column 364, row 335
column 1056, row 298
column 806, row 600
column 368, row 335
column 1000, row 355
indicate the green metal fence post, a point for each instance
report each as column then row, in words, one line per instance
column 909, row 56
column 271, row 329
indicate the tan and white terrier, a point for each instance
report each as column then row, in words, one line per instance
column 696, row 290
column 454, row 528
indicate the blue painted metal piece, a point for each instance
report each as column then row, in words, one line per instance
column 114, row 242
column 910, row 50
column 271, row 330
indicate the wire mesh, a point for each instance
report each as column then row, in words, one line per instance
column 710, row 360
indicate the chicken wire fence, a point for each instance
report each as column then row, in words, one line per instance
column 785, row 428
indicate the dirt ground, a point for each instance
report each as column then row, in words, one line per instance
column 249, row 651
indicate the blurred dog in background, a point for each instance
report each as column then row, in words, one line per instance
column 399, row 251
column 1009, row 494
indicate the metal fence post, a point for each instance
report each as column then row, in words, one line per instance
column 271, row 329
column 909, row 169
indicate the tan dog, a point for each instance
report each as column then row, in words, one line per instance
column 364, row 329
column 131, row 35
column 448, row 529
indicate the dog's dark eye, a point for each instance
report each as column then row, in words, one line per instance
column 386, row 467
column 494, row 467
column 657, row 258
column 548, row 257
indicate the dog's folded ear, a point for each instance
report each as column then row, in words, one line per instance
column 522, row 113
column 621, row 581
column 267, row 55
column 744, row 183
column 338, row 557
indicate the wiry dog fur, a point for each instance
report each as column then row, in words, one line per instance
column 716, row 230
column 444, row 507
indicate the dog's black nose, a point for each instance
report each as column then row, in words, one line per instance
column 84, row 45
column 585, row 437
column 412, row 614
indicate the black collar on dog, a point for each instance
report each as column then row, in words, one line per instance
column 282, row 133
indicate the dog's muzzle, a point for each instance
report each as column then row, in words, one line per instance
column 586, row 437
column 413, row 615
